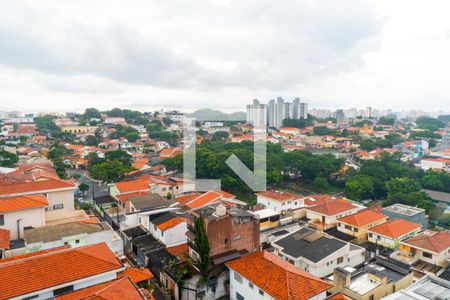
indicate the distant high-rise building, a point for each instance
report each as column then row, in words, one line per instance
column 300, row 109
column 368, row 112
column 288, row 111
column 271, row 113
column 279, row 112
column 275, row 112
column 257, row 114
column 339, row 115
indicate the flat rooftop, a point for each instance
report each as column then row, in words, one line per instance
column 404, row 209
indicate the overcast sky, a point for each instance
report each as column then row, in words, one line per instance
column 69, row 55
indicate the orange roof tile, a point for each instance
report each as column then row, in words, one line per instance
column 27, row 274
column 277, row 277
column 35, row 187
column 22, row 202
column 435, row 241
column 171, row 223
column 133, row 185
column 279, row 196
column 126, row 197
column 204, row 199
column 137, row 275
column 339, row 296
column 5, row 236
column 334, row 207
column 180, row 251
column 395, row 228
column 118, row 289
column 187, row 198
column 362, row 218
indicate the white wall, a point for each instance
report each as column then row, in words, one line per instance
column 34, row 217
column 173, row 236
column 245, row 290
column 279, row 206
column 61, row 197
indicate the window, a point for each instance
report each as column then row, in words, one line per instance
column 261, row 292
column 239, row 296
column 77, row 241
column 2, row 220
column 250, row 285
column 238, row 277
column 62, row 291
column 340, row 260
column 427, row 255
column 371, row 297
column 226, row 241
column 58, row 206
column 31, row 297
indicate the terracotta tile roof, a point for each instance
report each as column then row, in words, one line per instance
column 362, row 218
column 180, row 251
column 187, row 198
column 395, row 228
column 339, row 296
column 334, row 207
column 312, row 200
column 279, row 196
column 5, row 236
column 435, row 241
column 118, row 289
column 37, row 272
column 22, row 202
column 171, row 223
column 139, row 163
column 35, row 187
column 133, row 185
column 277, row 277
column 204, row 199
column 170, row 152
column 126, row 197
column 137, row 275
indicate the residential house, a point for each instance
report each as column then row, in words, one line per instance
column 262, row 275
column 409, row 213
column 376, row 279
column 279, row 201
column 316, row 252
column 122, row 288
column 170, row 228
column 428, row 252
column 435, row 163
column 356, row 225
column 18, row 213
column 231, row 230
column 325, row 216
column 390, row 234
column 169, row 153
column 54, row 272
column 73, row 234
column 427, row 288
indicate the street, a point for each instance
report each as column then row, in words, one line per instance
column 95, row 189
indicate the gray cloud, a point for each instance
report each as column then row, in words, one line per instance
column 209, row 45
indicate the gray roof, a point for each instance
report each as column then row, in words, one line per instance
column 438, row 196
column 149, row 202
column 51, row 233
column 309, row 244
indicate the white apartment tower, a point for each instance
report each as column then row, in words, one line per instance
column 257, row 114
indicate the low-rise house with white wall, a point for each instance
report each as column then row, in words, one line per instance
column 317, row 253
column 390, row 234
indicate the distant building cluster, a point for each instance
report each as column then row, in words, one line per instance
column 273, row 113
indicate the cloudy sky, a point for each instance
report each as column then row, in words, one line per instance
column 68, row 55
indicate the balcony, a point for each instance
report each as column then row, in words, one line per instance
column 405, row 257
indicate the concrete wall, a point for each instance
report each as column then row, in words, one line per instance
column 34, row 217
column 65, row 198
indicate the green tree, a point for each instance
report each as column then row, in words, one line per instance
column 91, row 140
column 56, row 155
column 220, row 136
column 119, row 155
column 109, row 171
column 321, row 183
column 92, row 113
column 132, row 137
column 386, row 120
column 360, row 187
column 8, row 159
column 83, row 187
column 402, row 186
column 368, row 145
column 202, row 245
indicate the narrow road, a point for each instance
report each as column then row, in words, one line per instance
column 95, row 189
